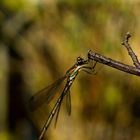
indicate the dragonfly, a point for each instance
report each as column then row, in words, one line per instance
column 46, row 95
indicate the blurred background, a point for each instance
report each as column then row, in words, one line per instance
column 40, row 40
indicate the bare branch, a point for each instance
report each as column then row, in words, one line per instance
column 116, row 64
column 130, row 51
column 113, row 63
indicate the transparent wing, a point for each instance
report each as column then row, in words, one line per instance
column 57, row 112
column 68, row 102
column 45, row 95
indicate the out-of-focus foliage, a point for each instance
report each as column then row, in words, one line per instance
column 40, row 40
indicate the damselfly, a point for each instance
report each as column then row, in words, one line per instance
column 46, row 95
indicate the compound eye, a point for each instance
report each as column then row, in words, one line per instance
column 80, row 61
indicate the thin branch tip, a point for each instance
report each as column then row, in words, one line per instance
column 128, row 34
column 130, row 50
column 126, row 38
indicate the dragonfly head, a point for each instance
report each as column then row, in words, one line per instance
column 81, row 61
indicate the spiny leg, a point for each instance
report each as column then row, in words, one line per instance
column 89, row 69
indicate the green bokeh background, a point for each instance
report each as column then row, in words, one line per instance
column 40, row 40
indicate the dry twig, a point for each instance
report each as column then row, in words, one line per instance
column 116, row 64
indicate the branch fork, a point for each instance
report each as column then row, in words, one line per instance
column 135, row 70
